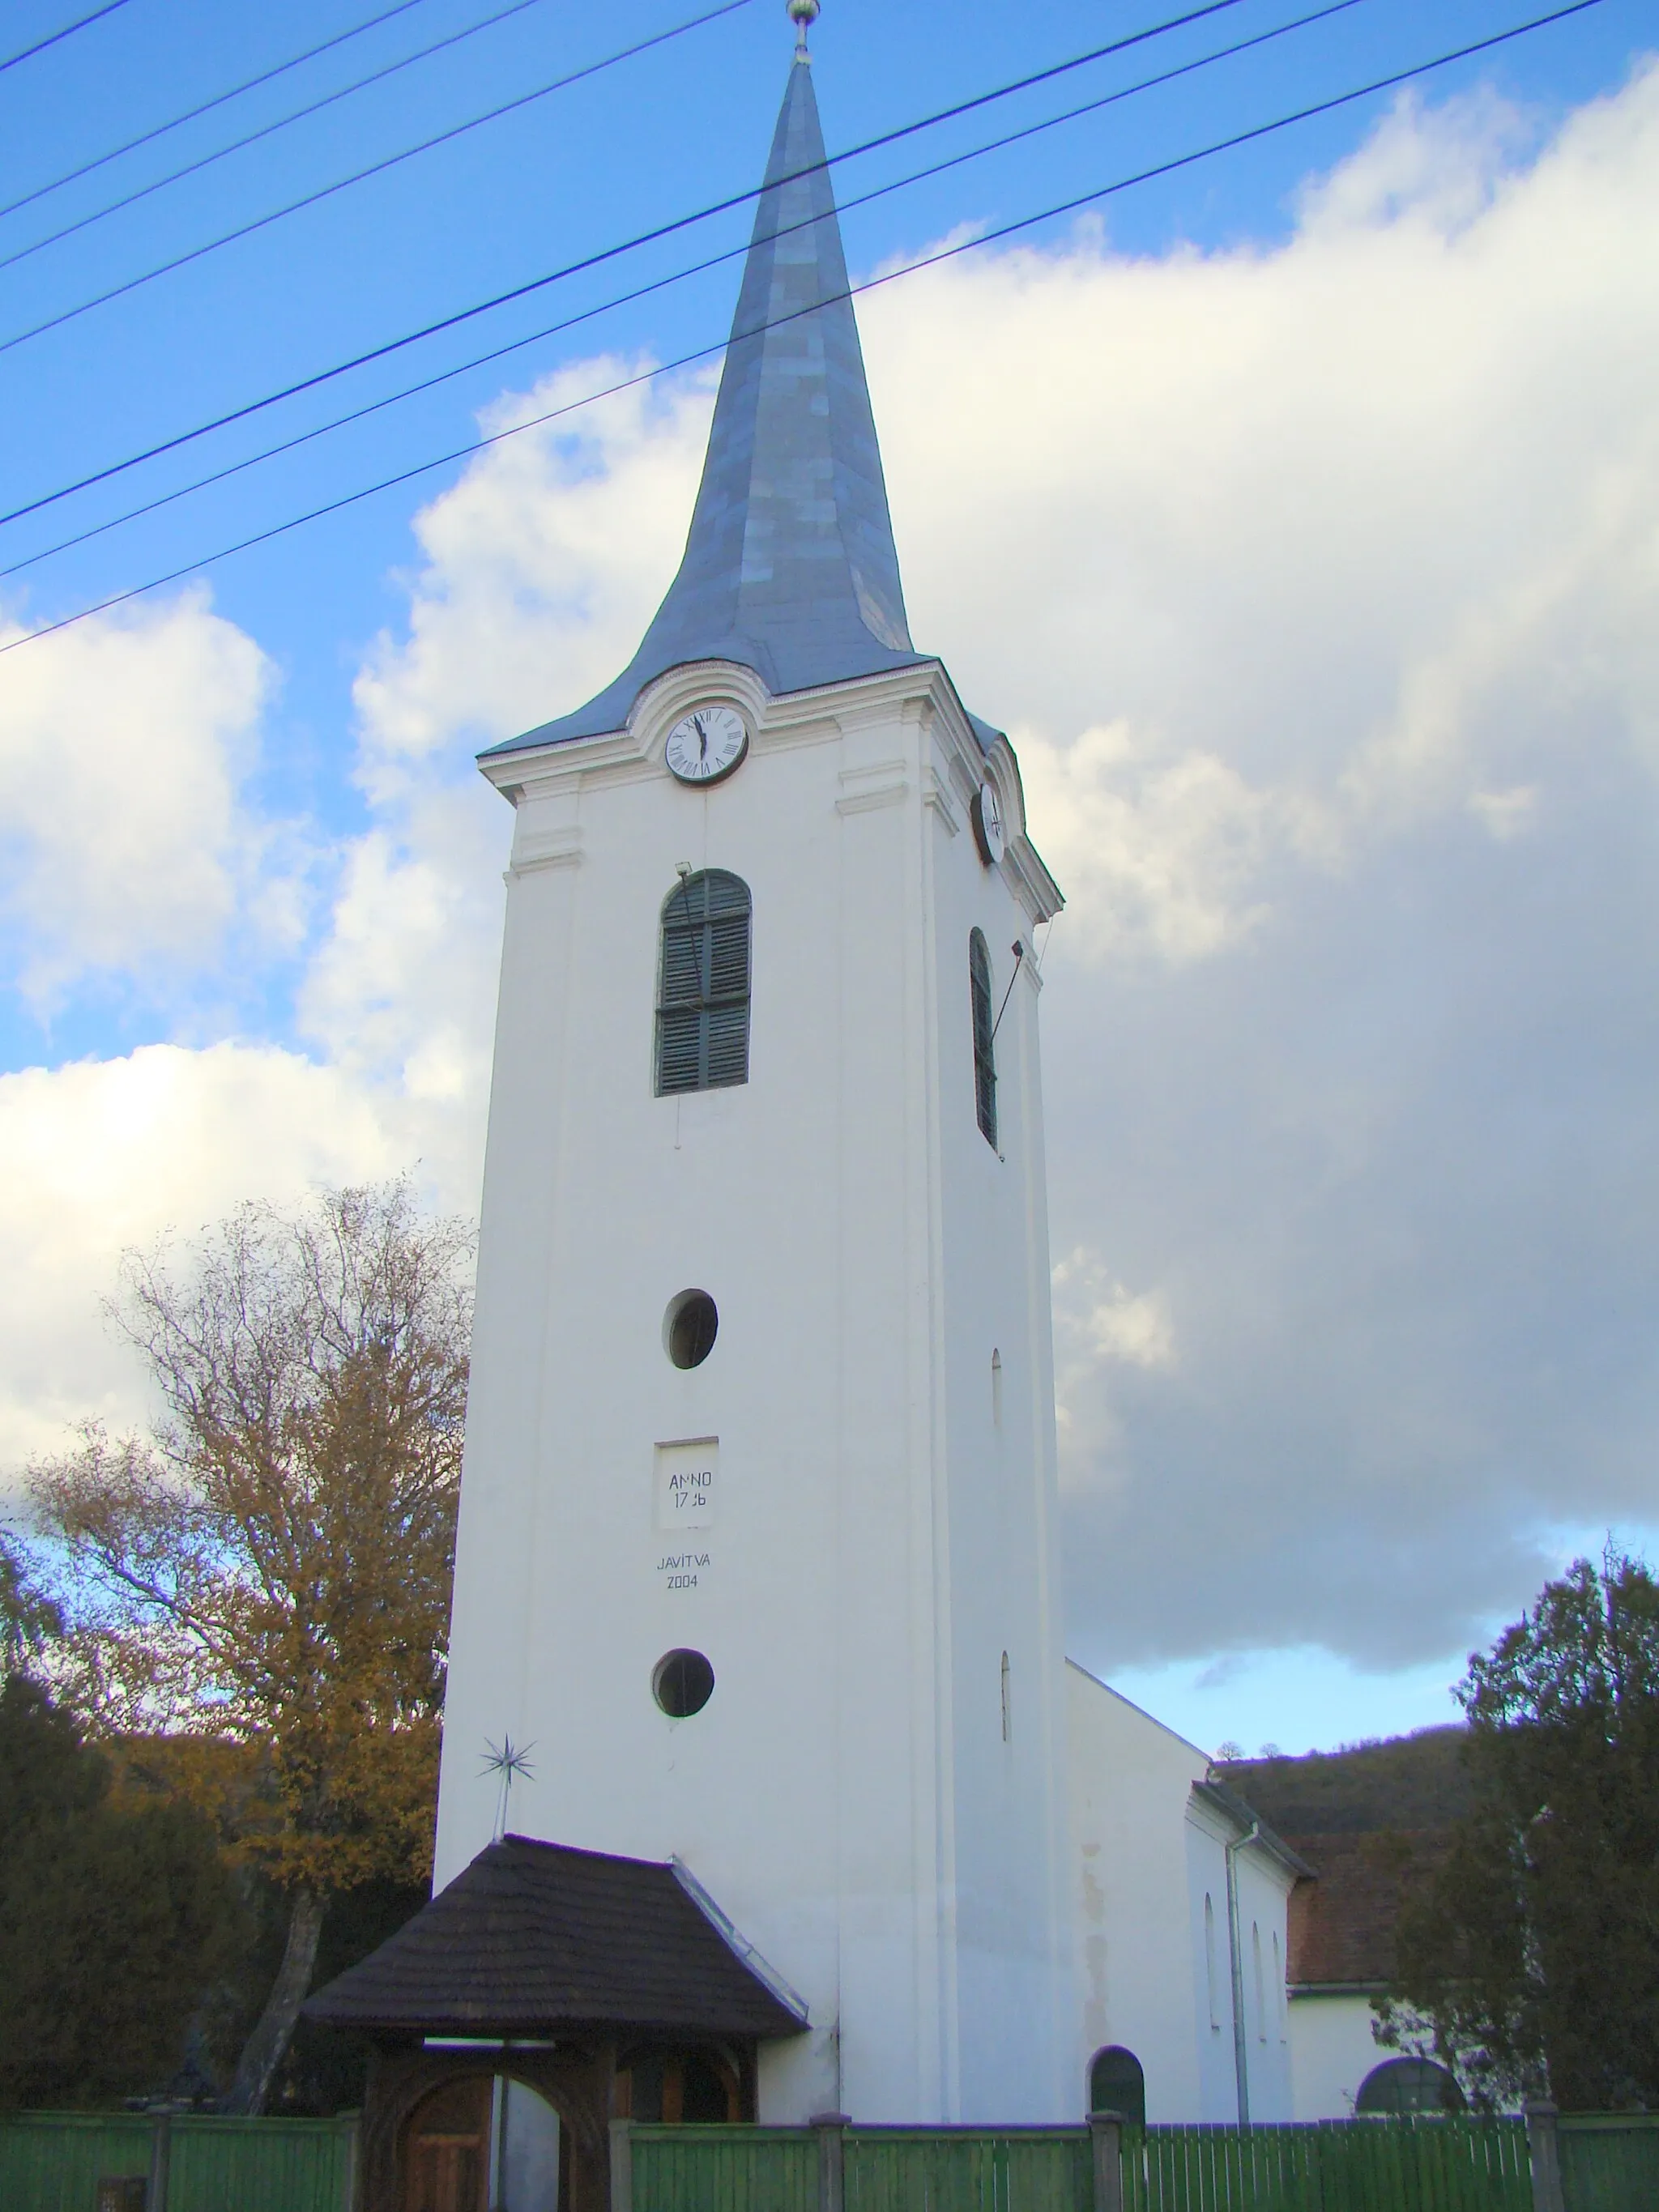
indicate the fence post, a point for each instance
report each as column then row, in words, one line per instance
column 1544, row 2155
column 1106, row 2139
column 832, row 2159
column 621, row 2166
column 351, row 2191
column 161, row 2158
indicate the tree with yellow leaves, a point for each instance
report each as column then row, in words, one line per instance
column 271, row 1565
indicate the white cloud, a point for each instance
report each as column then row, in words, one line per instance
column 124, row 744
column 1320, row 586
column 543, row 565
column 401, row 990
column 1269, row 552
column 1098, row 1319
column 1505, row 814
column 1157, row 855
column 101, row 1155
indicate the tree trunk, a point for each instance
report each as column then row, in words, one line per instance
column 263, row 2053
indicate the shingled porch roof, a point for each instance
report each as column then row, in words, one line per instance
column 533, row 1939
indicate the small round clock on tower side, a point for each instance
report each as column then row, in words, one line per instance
column 989, row 834
column 707, row 744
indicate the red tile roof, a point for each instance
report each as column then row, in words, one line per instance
column 1342, row 1923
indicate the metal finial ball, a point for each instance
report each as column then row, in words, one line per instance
column 803, row 12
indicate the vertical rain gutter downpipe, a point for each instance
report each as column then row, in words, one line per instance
column 1236, row 1961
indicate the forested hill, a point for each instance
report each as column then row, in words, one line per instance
column 1404, row 1783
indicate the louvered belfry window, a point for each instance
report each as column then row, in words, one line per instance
column 703, row 993
column 984, row 1067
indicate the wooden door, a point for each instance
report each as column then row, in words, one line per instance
column 446, row 2150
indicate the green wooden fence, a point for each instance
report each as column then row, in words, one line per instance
column 55, row 2161
column 725, row 2169
column 924, row 2170
column 1331, row 2166
column 1609, row 2162
column 1364, row 2165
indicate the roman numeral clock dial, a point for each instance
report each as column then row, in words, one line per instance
column 707, row 744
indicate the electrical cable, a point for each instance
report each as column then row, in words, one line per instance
column 266, row 130
column 678, row 276
column 607, row 253
column 873, row 284
column 374, row 169
column 68, row 32
column 219, row 99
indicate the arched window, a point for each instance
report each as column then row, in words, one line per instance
column 1116, row 2084
column 1408, row 2085
column 703, row 987
column 984, row 1067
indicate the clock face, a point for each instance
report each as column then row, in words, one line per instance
column 706, row 745
column 988, row 832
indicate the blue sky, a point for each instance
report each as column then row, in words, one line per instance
column 686, row 124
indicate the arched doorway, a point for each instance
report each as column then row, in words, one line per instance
column 1116, row 2084
column 654, row 2082
column 531, row 2161
column 446, row 2149
column 1408, row 2085
column 484, row 2144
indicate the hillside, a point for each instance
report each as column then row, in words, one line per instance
column 1411, row 1783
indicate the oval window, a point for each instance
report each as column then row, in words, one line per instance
column 690, row 1328
column 682, row 1682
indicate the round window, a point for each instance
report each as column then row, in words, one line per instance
column 682, row 1682
column 690, row 1328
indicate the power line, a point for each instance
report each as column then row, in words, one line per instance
column 266, row 130
column 68, row 32
column 854, row 291
column 609, row 253
column 678, row 276
column 359, row 176
column 219, row 99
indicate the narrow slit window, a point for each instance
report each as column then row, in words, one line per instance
column 703, row 988
column 985, row 1068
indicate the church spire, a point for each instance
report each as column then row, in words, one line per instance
column 789, row 567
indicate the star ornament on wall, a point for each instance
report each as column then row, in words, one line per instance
column 512, row 1762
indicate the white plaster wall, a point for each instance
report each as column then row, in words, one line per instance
column 1264, row 1888
column 1331, row 2051
column 1206, row 1864
column 1148, row 1854
column 847, row 1795
column 1130, row 1781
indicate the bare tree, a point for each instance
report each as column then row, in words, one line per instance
column 272, row 1565
column 28, row 1617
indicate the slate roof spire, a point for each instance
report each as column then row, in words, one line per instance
column 790, row 566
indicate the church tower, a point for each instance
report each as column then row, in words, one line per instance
column 757, row 1546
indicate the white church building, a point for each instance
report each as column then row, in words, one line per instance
column 759, row 1543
